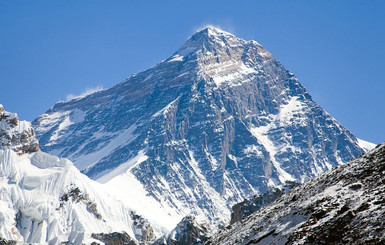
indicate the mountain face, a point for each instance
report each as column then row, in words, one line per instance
column 46, row 200
column 218, row 121
column 343, row 206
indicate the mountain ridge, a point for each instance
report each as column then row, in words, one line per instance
column 342, row 206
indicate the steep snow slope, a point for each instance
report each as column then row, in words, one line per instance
column 343, row 206
column 46, row 199
column 218, row 121
column 367, row 146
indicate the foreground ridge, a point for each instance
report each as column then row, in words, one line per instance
column 343, row 206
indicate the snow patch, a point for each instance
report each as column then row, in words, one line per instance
column 119, row 139
column 63, row 120
column 176, row 58
column 126, row 188
column 87, row 92
column 365, row 145
column 166, row 109
column 125, row 167
column 261, row 134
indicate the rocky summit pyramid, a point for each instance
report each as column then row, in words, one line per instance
column 218, row 121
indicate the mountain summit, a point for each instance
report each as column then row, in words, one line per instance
column 218, row 121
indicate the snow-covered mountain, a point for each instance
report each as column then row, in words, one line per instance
column 218, row 121
column 44, row 199
column 343, row 206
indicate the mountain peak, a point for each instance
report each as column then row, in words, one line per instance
column 212, row 31
column 209, row 38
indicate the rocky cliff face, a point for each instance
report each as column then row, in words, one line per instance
column 218, row 121
column 343, row 206
column 15, row 134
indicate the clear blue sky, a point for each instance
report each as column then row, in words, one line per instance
column 51, row 49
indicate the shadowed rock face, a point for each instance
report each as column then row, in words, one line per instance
column 218, row 121
column 249, row 206
column 115, row 238
column 343, row 206
column 7, row 242
column 15, row 134
column 188, row 231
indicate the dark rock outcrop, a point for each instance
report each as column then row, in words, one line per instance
column 75, row 195
column 256, row 202
column 15, row 134
column 5, row 241
column 188, row 231
column 115, row 238
column 142, row 229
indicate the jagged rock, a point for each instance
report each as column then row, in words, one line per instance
column 75, row 195
column 2, row 240
column 15, row 134
column 188, row 231
column 142, row 229
column 115, row 238
column 325, row 210
column 253, row 204
column 92, row 208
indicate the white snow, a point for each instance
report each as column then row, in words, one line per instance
column 87, row 92
column 215, row 30
column 261, row 133
column 365, row 145
column 175, row 58
column 62, row 120
column 185, row 51
column 125, row 167
column 289, row 113
column 165, row 110
column 124, row 186
column 33, row 184
column 231, row 72
column 88, row 160
column 129, row 190
column 224, row 213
